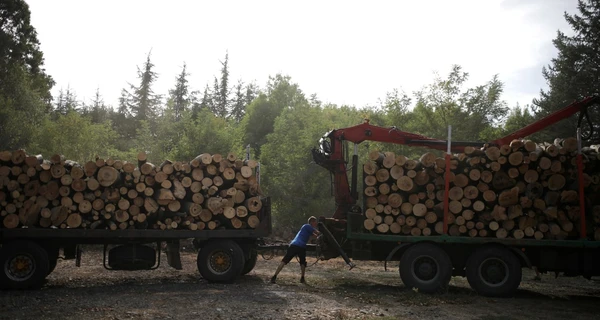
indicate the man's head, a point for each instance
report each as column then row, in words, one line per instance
column 312, row 221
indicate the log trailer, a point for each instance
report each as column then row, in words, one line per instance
column 29, row 254
column 492, row 266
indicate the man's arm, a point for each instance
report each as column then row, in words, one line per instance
column 316, row 232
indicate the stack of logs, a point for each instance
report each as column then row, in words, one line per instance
column 209, row 192
column 521, row 190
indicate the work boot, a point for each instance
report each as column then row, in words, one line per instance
column 302, row 280
column 273, row 279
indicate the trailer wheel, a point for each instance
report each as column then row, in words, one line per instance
column 24, row 265
column 494, row 272
column 426, row 267
column 221, row 261
column 250, row 263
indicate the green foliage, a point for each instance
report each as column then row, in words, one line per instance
column 517, row 119
column 206, row 134
column 238, row 108
column 258, row 122
column 262, row 112
column 472, row 113
column 75, row 137
column 65, row 102
column 221, row 91
column 19, row 47
column 21, row 110
column 179, row 100
column 24, row 85
column 574, row 73
column 124, row 124
column 205, row 103
column 283, row 93
column 396, row 106
column 145, row 141
column 97, row 111
column 142, row 101
column 298, row 187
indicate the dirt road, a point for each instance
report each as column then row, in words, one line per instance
column 332, row 292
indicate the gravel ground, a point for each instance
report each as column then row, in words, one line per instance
column 332, row 292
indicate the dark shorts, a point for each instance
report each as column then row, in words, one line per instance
column 292, row 251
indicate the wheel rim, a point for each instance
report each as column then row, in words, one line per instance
column 425, row 268
column 220, row 262
column 20, row 267
column 493, row 272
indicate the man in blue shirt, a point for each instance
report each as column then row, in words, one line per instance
column 298, row 247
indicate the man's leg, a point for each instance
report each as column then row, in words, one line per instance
column 286, row 259
column 281, row 265
column 302, row 256
column 302, row 270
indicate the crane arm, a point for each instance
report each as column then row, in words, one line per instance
column 367, row 132
column 577, row 106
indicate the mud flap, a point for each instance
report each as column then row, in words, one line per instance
column 173, row 257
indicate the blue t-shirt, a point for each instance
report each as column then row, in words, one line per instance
column 303, row 235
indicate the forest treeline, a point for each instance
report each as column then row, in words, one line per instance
column 276, row 121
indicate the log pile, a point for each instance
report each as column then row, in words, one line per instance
column 522, row 190
column 209, row 192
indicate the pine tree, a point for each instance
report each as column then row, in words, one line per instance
column 223, row 95
column 66, row 102
column 122, row 120
column 98, row 110
column 59, row 105
column 71, row 102
column 214, row 99
column 220, row 92
column 204, row 104
column 575, row 73
column 252, row 92
column 238, row 109
column 124, row 104
column 179, row 96
column 143, row 102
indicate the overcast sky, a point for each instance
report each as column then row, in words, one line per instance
column 347, row 52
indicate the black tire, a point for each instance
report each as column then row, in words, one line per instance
column 494, row 272
column 24, row 265
column 426, row 267
column 52, row 265
column 221, row 261
column 250, row 263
